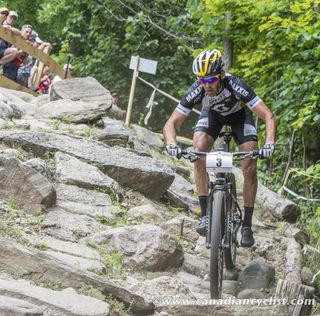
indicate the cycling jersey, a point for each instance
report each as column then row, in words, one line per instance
column 223, row 109
column 228, row 101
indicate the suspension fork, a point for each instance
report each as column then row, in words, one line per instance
column 217, row 185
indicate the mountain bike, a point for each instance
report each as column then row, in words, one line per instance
column 225, row 215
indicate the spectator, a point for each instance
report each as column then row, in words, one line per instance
column 12, row 58
column 23, row 75
column 114, row 98
column 45, row 81
column 11, row 18
column 115, row 111
column 4, row 12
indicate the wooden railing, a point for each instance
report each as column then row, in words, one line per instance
column 42, row 56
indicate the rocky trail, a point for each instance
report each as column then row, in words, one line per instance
column 97, row 220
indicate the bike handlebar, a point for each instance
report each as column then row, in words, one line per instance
column 198, row 155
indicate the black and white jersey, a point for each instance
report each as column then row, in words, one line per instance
column 228, row 101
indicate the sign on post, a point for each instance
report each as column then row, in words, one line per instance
column 145, row 65
column 138, row 64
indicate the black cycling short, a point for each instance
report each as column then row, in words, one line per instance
column 241, row 122
column 2, row 50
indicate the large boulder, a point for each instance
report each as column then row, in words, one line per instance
column 27, row 187
column 45, row 269
column 85, row 89
column 70, row 170
column 143, row 174
column 145, row 135
column 257, row 274
column 74, row 111
column 145, row 246
column 114, row 133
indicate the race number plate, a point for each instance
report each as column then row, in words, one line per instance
column 219, row 161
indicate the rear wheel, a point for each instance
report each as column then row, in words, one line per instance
column 230, row 251
column 216, row 252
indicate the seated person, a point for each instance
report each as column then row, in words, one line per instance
column 4, row 12
column 11, row 57
column 45, row 81
column 23, row 75
column 11, row 18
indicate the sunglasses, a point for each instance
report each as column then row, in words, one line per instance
column 212, row 79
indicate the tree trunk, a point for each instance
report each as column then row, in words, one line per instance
column 227, row 43
column 271, row 202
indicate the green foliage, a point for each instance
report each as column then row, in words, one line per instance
column 118, row 308
column 113, row 261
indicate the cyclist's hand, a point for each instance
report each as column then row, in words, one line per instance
column 267, row 150
column 174, row 150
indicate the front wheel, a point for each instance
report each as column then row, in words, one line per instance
column 216, row 253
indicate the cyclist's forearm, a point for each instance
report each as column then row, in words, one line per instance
column 271, row 128
column 169, row 133
column 171, row 126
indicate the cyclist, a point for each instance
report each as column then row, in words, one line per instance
column 222, row 96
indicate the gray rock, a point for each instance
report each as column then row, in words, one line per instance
column 70, row 170
column 22, row 124
column 3, row 123
column 257, row 274
column 181, row 185
column 66, row 247
column 306, row 275
column 196, row 265
column 40, row 166
column 28, row 187
column 144, row 214
column 78, row 262
column 147, row 136
column 114, row 133
column 73, row 111
column 250, row 293
column 230, row 287
column 124, row 166
column 10, row 306
column 85, row 89
column 79, row 195
column 180, row 194
column 183, row 226
column 67, row 300
column 5, row 110
column 42, row 268
column 160, row 287
column 145, row 246
column 59, row 223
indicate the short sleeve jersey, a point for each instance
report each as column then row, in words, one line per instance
column 228, row 101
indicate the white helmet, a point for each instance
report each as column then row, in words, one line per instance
column 208, row 62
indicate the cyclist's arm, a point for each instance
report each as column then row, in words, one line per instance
column 263, row 112
column 171, row 126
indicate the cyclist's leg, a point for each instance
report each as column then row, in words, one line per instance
column 246, row 138
column 206, row 131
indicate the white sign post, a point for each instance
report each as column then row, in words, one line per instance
column 143, row 65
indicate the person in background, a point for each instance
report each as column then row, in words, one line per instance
column 115, row 111
column 13, row 58
column 45, row 81
column 114, row 98
column 4, row 12
column 11, row 18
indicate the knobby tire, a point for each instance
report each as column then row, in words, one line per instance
column 216, row 250
column 231, row 250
